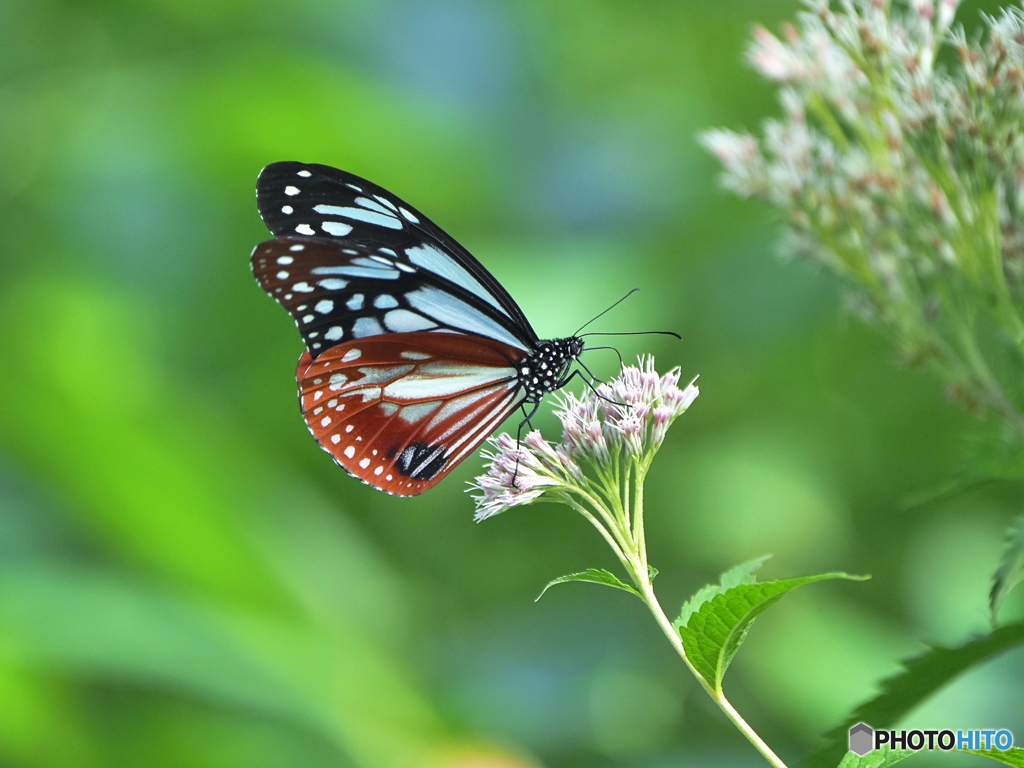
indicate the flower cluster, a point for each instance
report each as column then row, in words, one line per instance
column 621, row 422
column 905, row 176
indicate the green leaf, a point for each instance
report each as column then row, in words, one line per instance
column 1012, row 756
column 922, row 676
column 1011, row 568
column 879, row 758
column 715, row 632
column 594, row 576
column 741, row 574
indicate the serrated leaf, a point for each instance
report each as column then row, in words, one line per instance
column 594, row 576
column 922, row 676
column 879, row 758
column 715, row 632
column 741, row 574
column 1012, row 756
column 1011, row 568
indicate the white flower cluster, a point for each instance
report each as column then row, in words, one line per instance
column 627, row 418
column 904, row 173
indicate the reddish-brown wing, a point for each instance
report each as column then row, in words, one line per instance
column 401, row 410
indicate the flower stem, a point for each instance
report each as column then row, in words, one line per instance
column 635, row 550
column 643, row 583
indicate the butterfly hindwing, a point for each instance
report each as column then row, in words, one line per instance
column 339, row 292
column 310, row 200
column 400, row 411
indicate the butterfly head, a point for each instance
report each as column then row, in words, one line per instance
column 548, row 367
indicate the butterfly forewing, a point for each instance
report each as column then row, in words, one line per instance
column 311, row 200
column 400, row 411
column 338, row 293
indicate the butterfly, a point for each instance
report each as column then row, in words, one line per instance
column 415, row 353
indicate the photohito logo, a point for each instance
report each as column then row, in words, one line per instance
column 863, row 739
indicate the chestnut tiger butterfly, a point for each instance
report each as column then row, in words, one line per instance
column 415, row 353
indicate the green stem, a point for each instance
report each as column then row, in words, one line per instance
column 628, row 541
column 643, row 583
column 605, row 533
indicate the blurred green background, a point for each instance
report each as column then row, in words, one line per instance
column 187, row 581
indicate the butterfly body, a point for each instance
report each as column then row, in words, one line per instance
column 414, row 352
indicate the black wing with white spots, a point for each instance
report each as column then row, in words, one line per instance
column 309, row 200
column 337, row 293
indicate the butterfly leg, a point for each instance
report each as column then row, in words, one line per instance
column 590, row 384
column 519, row 435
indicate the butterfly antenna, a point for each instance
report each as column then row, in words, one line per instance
column 613, row 306
column 631, row 333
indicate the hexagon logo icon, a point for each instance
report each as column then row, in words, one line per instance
column 862, row 739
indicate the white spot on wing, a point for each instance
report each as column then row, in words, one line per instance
column 408, row 215
column 287, row 209
column 355, row 303
column 352, row 354
column 324, row 306
column 364, row 463
column 334, row 333
column 382, row 375
column 336, row 228
column 404, row 321
column 444, row 380
column 304, row 229
column 338, row 381
column 335, row 439
column 325, row 421
column 409, row 355
column 388, row 408
column 360, row 214
column 305, row 174
column 366, row 326
column 285, row 260
column 291, row 191
column 297, row 247
column 302, row 287
column 282, row 275
column 416, row 411
column 351, row 450
column 385, row 301
column 332, row 284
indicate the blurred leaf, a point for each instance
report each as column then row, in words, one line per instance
column 922, row 676
column 878, row 758
column 1012, row 756
column 741, row 574
column 1011, row 568
column 594, row 576
column 715, row 632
